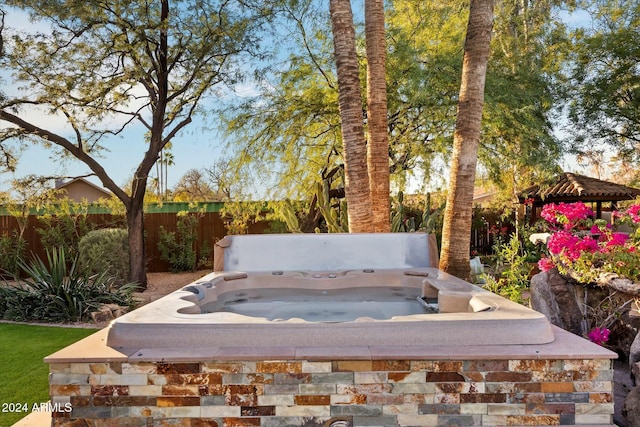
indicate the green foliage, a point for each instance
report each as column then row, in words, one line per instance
column 106, row 250
column 335, row 216
column 65, row 226
column 12, row 252
column 523, row 92
column 532, row 251
column 297, row 125
column 179, row 248
column 286, row 211
column 238, row 216
column 293, row 123
column 54, row 292
column 511, row 271
column 105, row 67
column 28, row 195
column 605, row 105
column 424, row 69
column 408, row 217
column 417, row 215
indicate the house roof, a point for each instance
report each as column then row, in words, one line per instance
column 571, row 187
column 62, row 185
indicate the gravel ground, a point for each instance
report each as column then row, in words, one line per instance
column 161, row 284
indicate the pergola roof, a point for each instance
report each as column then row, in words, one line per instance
column 570, row 187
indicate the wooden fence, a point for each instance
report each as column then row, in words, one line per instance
column 210, row 229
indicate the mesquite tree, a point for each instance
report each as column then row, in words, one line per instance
column 104, row 67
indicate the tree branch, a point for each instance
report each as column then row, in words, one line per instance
column 60, row 141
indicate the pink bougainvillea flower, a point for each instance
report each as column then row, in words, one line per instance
column 586, row 247
column 587, row 244
column 576, row 211
column 550, row 213
column 560, row 241
column 618, row 239
column 566, row 214
column 634, row 213
column 599, row 335
column 546, row 264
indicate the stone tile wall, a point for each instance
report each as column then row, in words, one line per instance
column 305, row 393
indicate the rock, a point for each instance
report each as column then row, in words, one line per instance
column 631, row 408
column 542, row 298
column 102, row 315
column 635, row 372
column 634, row 358
column 552, row 296
column 624, row 330
column 108, row 312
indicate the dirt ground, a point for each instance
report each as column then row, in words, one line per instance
column 161, row 284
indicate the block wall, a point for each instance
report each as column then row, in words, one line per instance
column 307, row 393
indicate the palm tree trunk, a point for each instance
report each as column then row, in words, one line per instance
column 351, row 118
column 454, row 257
column 378, row 146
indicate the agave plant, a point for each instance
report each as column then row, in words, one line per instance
column 58, row 291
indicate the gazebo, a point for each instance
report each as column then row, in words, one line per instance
column 570, row 187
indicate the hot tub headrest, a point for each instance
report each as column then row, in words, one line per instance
column 290, row 252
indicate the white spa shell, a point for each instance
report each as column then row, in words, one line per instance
column 468, row 314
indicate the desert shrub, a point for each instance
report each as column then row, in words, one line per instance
column 511, row 271
column 64, row 230
column 179, row 248
column 12, row 251
column 106, row 250
column 205, row 259
column 59, row 291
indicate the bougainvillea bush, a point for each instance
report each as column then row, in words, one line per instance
column 586, row 248
column 593, row 251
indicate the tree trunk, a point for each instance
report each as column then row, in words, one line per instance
column 137, row 250
column 351, row 118
column 456, row 233
column 378, row 146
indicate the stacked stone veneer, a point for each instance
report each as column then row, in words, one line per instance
column 306, row 393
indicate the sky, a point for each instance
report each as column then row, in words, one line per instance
column 194, row 148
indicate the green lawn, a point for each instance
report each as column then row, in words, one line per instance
column 23, row 374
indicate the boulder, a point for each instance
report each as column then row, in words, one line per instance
column 631, row 408
column 624, row 330
column 554, row 297
column 634, row 359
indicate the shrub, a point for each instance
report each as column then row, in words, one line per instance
column 54, row 292
column 106, row 250
column 585, row 248
column 12, row 251
column 179, row 248
column 512, row 270
column 64, row 230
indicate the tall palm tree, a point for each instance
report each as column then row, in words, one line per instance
column 456, row 231
column 351, row 118
column 378, row 145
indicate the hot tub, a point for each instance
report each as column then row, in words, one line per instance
column 369, row 304
column 327, row 330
